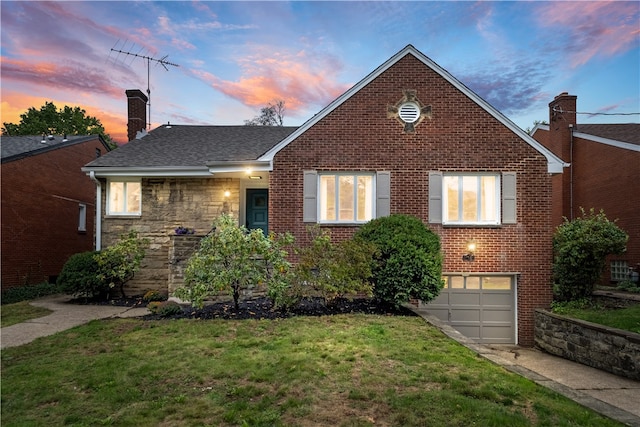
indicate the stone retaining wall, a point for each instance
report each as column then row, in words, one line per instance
column 599, row 346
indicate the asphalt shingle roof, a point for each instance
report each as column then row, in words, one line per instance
column 17, row 147
column 625, row 132
column 187, row 145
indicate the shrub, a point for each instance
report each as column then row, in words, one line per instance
column 580, row 249
column 80, row 276
column 333, row 270
column 629, row 286
column 29, row 292
column 164, row 308
column 408, row 262
column 232, row 258
column 154, row 295
column 118, row 263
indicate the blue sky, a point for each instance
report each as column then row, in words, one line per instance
column 235, row 57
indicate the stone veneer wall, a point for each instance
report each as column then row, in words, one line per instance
column 601, row 347
column 180, row 250
column 166, row 204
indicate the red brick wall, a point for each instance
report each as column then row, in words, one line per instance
column 460, row 137
column 608, row 178
column 40, row 198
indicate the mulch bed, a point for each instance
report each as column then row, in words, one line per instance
column 262, row 308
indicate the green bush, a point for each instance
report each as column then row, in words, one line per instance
column 164, row 308
column 629, row 286
column 233, row 258
column 331, row 270
column 154, row 295
column 408, row 262
column 118, row 263
column 580, row 249
column 79, row 276
column 29, row 292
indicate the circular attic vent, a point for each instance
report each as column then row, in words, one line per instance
column 409, row 112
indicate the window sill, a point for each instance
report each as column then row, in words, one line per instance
column 123, row 215
column 472, row 225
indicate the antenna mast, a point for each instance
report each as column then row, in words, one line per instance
column 162, row 61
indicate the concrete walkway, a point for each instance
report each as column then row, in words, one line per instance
column 65, row 316
column 613, row 396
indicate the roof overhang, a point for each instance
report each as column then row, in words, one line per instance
column 554, row 163
column 211, row 168
column 106, row 172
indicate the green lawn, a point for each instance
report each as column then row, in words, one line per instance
column 10, row 314
column 627, row 318
column 348, row 370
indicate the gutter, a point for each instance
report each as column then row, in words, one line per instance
column 92, row 175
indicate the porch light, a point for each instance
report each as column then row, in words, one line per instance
column 227, row 193
column 471, row 250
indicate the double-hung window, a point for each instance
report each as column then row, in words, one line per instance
column 124, row 198
column 471, row 199
column 345, row 198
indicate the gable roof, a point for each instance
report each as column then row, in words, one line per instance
column 18, row 147
column 188, row 150
column 554, row 163
column 621, row 135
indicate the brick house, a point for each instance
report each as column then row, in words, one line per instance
column 604, row 174
column 48, row 205
column 409, row 138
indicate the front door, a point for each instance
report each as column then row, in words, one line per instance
column 258, row 209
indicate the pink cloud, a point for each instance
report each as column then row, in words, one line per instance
column 298, row 79
column 593, row 28
column 70, row 76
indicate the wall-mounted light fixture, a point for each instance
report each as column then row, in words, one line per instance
column 255, row 177
column 470, row 255
column 227, row 193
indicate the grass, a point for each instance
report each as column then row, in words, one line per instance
column 627, row 318
column 18, row 312
column 347, row 370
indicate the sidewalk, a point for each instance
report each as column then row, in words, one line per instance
column 611, row 395
column 64, row 316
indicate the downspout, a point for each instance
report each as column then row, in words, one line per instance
column 92, row 175
column 571, row 172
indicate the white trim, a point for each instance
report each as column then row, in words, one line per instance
column 554, row 164
column 594, row 138
column 497, row 199
column 248, row 184
column 355, row 175
column 612, row 142
column 109, row 213
column 106, row 172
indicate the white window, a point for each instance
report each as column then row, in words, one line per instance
column 345, row 198
column 619, row 271
column 82, row 217
column 123, row 198
column 471, row 199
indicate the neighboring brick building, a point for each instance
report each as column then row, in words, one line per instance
column 48, row 204
column 409, row 138
column 604, row 174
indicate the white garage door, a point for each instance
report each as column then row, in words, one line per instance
column 481, row 307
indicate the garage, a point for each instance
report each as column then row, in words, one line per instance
column 481, row 307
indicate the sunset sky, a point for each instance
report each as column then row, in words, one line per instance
column 235, row 57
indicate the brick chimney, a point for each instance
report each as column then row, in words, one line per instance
column 137, row 112
column 562, row 123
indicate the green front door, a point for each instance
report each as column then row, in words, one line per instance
column 258, row 209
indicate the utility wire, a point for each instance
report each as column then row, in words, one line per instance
column 560, row 110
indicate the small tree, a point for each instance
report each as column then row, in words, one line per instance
column 271, row 115
column 408, row 263
column 333, row 270
column 232, row 258
column 118, row 263
column 580, row 249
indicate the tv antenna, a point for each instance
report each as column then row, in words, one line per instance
column 141, row 54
